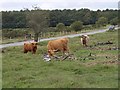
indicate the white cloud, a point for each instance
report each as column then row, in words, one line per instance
column 58, row 4
column 2, row 1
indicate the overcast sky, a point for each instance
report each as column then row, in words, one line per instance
column 10, row 5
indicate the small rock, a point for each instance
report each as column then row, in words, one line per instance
column 46, row 58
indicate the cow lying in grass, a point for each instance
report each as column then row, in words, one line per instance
column 30, row 46
column 58, row 45
column 84, row 40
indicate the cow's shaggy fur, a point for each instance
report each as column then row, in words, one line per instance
column 31, row 47
column 58, row 45
column 84, row 40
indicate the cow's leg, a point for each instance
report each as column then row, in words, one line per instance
column 85, row 44
column 51, row 53
column 66, row 51
column 33, row 52
column 63, row 53
column 25, row 51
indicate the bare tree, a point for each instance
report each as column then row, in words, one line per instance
column 38, row 20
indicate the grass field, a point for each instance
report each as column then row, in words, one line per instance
column 100, row 70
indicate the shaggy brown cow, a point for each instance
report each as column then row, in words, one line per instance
column 31, row 47
column 57, row 45
column 84, row 40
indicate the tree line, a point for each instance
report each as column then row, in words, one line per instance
column 17, row 19
column 41, row 21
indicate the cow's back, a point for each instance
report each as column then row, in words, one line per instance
column 56, row 44
column 59, row 44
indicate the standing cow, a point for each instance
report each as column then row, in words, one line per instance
column 84, row 40
column 30, row 46
column 58, row 45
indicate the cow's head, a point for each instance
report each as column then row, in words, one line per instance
column 34, row 45
column 50, row 52
column 84, row 36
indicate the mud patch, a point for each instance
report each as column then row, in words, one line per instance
column 90, row 56
column 104, row 62
column 104, row 43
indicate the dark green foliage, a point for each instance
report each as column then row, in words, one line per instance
column 17, row 19
column 102, row 21
column 114, row 21
column 13, row 19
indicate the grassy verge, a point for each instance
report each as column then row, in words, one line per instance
column 100, row 70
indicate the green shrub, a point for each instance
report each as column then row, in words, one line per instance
column 12, row 33
column 77, row 25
